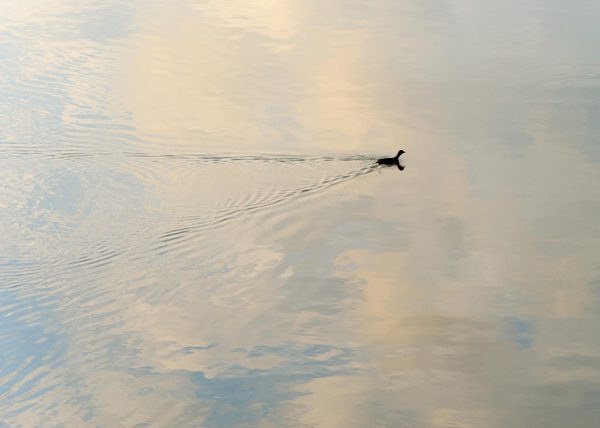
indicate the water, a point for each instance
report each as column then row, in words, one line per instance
column 194, row 233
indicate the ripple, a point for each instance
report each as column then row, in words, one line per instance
column 70, row 209
column 261, row 183
column 90, row 230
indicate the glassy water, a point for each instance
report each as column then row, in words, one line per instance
column 193, row 232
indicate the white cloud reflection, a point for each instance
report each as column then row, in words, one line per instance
column 461, row 292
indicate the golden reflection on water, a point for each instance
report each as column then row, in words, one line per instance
column 230, row 82
column 180, row 289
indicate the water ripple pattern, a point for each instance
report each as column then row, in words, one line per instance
column 73, row 218
column 55, row 201
column 171, row 257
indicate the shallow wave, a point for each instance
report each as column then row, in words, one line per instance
column 82, row 209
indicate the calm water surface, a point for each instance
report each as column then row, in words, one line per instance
column 193, row 233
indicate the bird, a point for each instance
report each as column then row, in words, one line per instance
column 392, row 161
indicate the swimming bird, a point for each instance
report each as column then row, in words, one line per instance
column 392, row 161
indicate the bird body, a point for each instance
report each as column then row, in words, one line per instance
column 391, row 161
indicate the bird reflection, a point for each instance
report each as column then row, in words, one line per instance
column 392, row 161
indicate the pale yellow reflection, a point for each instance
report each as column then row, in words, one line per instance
column 188, row 79
column 189, row 83
column 275, row 19
column 222, row 76
column 20, row 12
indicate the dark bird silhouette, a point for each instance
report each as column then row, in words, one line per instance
column 392, row 161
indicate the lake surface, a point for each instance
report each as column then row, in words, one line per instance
column 193, row 233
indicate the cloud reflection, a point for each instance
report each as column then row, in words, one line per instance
column 146, row 281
